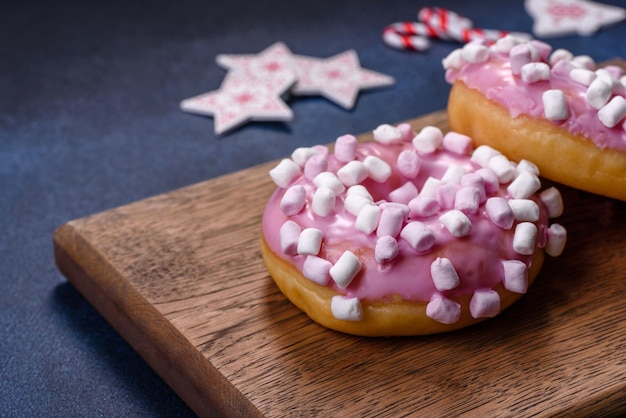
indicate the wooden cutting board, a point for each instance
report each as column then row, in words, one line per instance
column 180, row 277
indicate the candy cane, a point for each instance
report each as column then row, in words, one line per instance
column 440, row 23
column 452, row 26
column 446, row 24
column 407, row 35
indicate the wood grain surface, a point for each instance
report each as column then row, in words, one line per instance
column 180, row 277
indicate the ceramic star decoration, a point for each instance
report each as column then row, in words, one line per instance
column 274, row 65
column 255, row 84
column 338, row 78
column 567, row 17
column 239, row 100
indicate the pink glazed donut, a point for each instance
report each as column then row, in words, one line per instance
column 557, row 110
column 411, row 234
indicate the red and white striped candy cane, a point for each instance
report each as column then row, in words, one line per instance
column 407, row 35
column 452, row 26
column 436, row 22
column 444, row 23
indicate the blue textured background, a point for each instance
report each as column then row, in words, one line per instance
column 89, row 120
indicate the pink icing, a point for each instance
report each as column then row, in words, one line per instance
column 495, row 80
column 478, row 257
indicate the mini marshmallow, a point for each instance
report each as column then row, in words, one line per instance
column 404, row 208
column 515, row 277
column 525, row 238
column 534, row 72
column 551, row 197
column 354, row 172
column 285, row 172
column 472, row 180
column 386, row 249
column 499, row 212
column 519, row 55
column 560, row 55
column 301, row 155
column 584, row 61
column 329, row 180
column 430, row 186
column 428, row 140
column 557, row 236
column 506, row 43
column 502, row 167
column 446, row 194
column 346, row 309
column 293, row 200
column 524, row 185
column 485, row 304
column 607, row 77
column 622, row 80
column 457, row 223
column 613, row 112
column 477, row 41
column 554, row 105
column 345, row 148
column 316, row 269
column 525, row 165
column 419, row 237
column 390, row 223
column 598, row 93
column 407, row 131
column 467, row 200
column 562, row 68
column 582, row 76
column 474, row 53
column 524, row 210
column 345, row 269
column 408, row 164
column 321, row 149
column 490, row 180
column 360, row 190
column 476, row 181
column 323, row 201
column 423, row 206
column 315, row 165
column 310, row 241
column 367, row 220
column 483, row 154
column 444, row 274
column 387, row 134
column 404, row 193
column 289, row 235
column 543, row 49
column 614, row 70
column 453, row 174
column 454, row 60
column 443, row 310
column 378, row 170
column 354, row 203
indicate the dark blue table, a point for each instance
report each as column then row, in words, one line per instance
column 89, row 120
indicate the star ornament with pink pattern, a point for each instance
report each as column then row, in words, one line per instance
column 338, row 78
column 272, row 66
column 566, row 17
column 239, row 100
column 256, row 83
